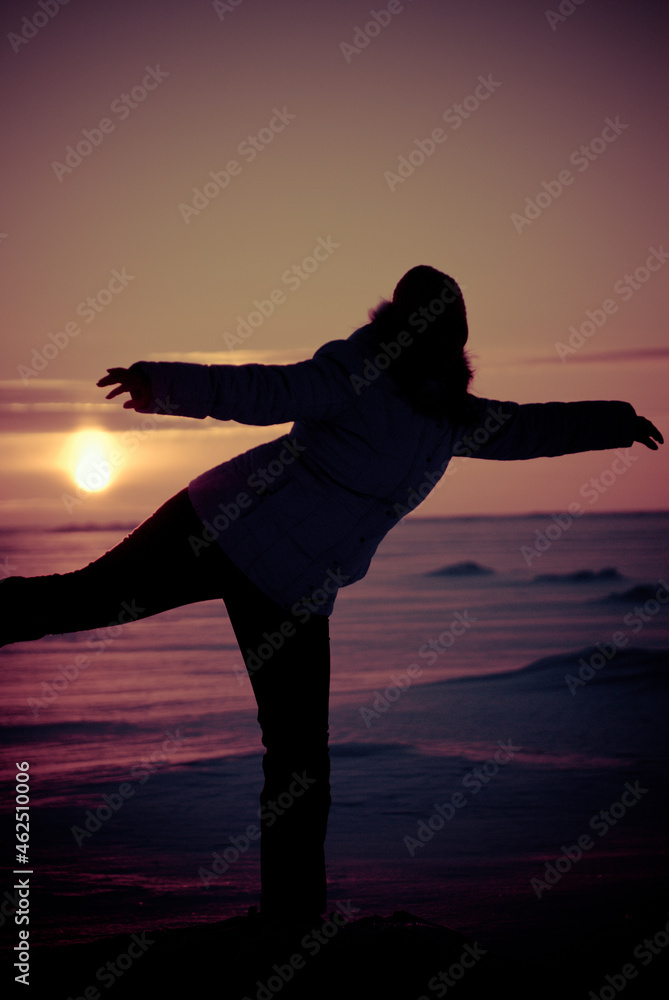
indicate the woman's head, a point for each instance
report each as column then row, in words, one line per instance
column 432, row 370
column 425, row 297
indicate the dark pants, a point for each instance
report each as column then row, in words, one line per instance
column 154, row 569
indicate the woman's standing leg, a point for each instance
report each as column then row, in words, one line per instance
column 291, row 687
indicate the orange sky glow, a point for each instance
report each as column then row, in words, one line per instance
column 226, row 183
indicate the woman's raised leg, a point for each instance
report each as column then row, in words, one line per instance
column 156, row 568
column 152, row 569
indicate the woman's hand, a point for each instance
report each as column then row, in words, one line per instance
column 646, row 433
column 130, row 380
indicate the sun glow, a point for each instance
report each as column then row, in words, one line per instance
column 88, row 460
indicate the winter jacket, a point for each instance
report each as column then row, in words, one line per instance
column 303, row 514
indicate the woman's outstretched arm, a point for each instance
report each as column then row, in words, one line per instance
column 250, row 394
column 507, row 431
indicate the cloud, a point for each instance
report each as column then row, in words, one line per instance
column 639, row 354
column 286, row 356
column 55, row 405
column 63, row 405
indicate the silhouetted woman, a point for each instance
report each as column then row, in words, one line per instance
column 277, row 530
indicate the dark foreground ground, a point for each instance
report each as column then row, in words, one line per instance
column 399, row 957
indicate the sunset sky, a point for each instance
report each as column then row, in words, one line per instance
column 167, row 166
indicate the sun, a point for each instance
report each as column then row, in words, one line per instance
column 88, row 459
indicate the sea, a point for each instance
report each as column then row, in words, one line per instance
column 498, row 735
